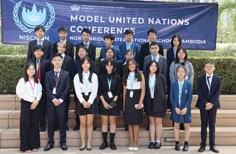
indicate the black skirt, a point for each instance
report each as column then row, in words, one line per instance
column 115, row 111
column 132, row 115
column 84, row 111
column 149, row 109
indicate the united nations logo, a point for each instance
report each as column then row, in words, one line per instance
column 29, row 19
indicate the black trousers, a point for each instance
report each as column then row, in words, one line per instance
column 56, row 115
column 29, row 130
column 208, row 116
column 42, row 108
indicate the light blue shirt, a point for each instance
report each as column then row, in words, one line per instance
column 156, row 58
column 180, row 90
column 152, row 81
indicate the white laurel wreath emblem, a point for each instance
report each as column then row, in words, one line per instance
column 24, row 28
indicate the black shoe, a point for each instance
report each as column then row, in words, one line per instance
column 185, row 148
column 147, row 128
column 67, row 128
column 76, row 127
column 82, row 148
column 177, row 147
column 89, row 148
column 64, row 147
column 42, row 129
column 48, row 147
column 112, row 146
column 201, row 149
column 126, row 127
column 103, row 146
column 214, row 149
column 151, row 145
column 157, row 145
column 94, row 128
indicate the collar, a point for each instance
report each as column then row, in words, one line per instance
column 86, row 43
column 209, row 75
column 40, row 40
column 181, row 83
column 86, row 74
column 157, row 56
column 57, row 71
column 63, row 41
column 63, row 55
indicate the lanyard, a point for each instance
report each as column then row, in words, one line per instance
column 109, row 83
column 32, row 86
column 131, row 79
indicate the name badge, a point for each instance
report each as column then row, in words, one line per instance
column 131, row 94
column 54, row 91
column 110, row 94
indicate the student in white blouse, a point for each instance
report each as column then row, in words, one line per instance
column 86, row 88
column 29, row 90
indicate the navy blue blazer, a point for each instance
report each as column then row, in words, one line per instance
column 135, row 48
column 67, row 64
column 203, row 93
column 91, row 50
column 62, row 89
column 186, row 100
column 117, row 54
column 69, row 49
column 170, row 57
column 47, row 46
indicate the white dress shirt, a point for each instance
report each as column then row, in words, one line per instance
column 29, row 90
column 210, row 80
column 86, row 87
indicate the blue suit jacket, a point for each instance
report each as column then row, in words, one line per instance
column 203, row 93
column 186, row 100
column 62, row 89
column 47, row 46
column 117, row 54
column 134, row 46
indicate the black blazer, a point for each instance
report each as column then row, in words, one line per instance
column 203, row 92
column 69, row 49
column 170, row 57
column 62, row 88
column 144, row 51
column 47, row 46
column 91, row 50
column 102, row 68
column 44, row 67
column 67, row 64
column 104, row 88
column 159, row 104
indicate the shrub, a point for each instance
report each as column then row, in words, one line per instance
column 12, row 67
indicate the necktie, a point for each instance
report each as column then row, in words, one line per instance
column 40, row 42
column 39, row 70
column 86, row 45
column 56, row 74
column 208, row 80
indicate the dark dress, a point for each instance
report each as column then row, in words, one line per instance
column 84, row 111
column 132, row 115
column 115, row 90
column 156, row 107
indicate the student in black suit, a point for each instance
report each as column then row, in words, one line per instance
column 66, row 66
column 110, row 54
column 47, row 45
column 86, row 88
column 145, row 48
column 42, row 66
column 57, row 84
column 29, row 90
column 87, row 44
column 109, row 93
column 155, row 102
column 62, row 33
column 82, row 53
column 208, row 87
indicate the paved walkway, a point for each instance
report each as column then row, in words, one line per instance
column 124, row 150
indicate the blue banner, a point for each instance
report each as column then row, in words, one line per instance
column 196, row 23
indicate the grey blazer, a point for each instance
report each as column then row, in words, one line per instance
column 161, row 62
column 189, row 71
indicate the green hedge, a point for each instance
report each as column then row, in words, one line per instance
column 11, row 69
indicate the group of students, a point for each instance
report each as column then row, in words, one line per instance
column 128, row 78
